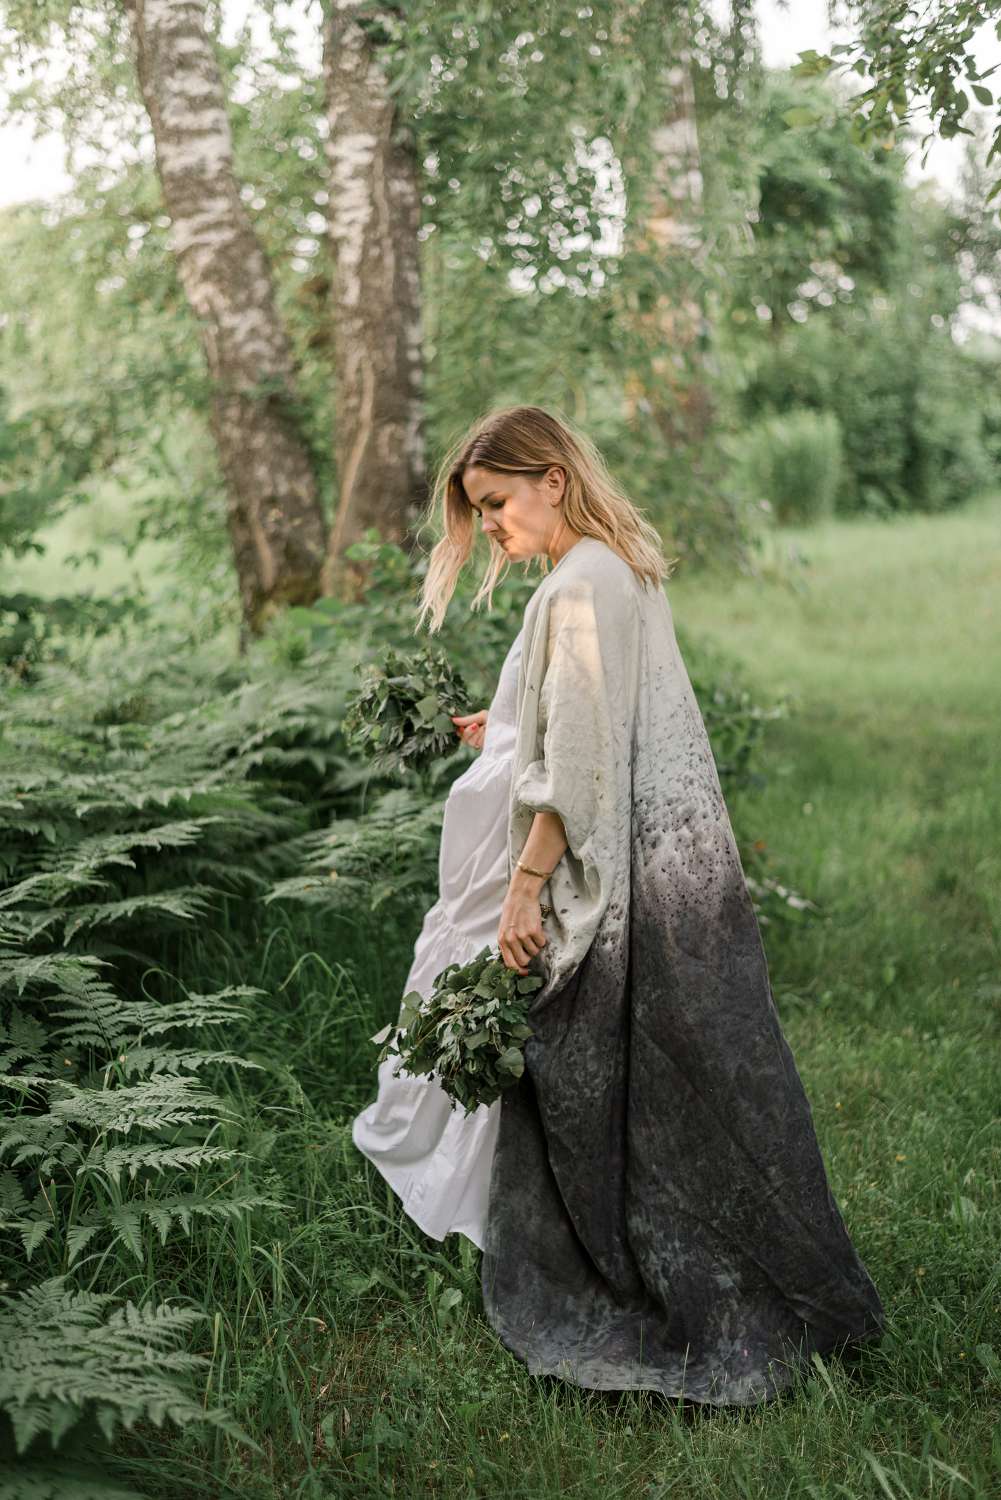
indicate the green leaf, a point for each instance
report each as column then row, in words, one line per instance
column 33, row 1234
column 512, row 1061
column 800, row 115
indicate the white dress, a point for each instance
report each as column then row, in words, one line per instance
column 435, row 1158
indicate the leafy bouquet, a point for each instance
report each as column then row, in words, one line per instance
column 400, row 714
column 469, row 1032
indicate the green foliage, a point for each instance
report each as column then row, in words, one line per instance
column 469, row 1033
column 906, row 402
column 735, row 720
column 822, row 208
column 34, row 629
column 104, row 1147
column 401, row 713
column 950, row 456
column 106, row 1138
column 912, row 61
column 67, row 1353
column 791, row 463
column 844, row 298
column 524, row 252
column 363, row 863
column 475, row 641
column 130, row 806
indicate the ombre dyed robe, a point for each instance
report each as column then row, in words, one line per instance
column 659, row 1213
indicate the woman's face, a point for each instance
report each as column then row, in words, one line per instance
column 520, row 513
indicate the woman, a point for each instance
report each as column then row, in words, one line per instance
column 655, row 1209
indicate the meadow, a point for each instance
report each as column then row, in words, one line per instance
column 724, row 270
column 352, row 1348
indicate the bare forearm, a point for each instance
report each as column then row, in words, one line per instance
column 544, row 848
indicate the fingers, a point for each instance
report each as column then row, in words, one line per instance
column 471, row 727
column 517, row 951
column 510, row 961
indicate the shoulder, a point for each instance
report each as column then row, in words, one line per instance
column 595, row 562
column 592, row 587
column 595, row 571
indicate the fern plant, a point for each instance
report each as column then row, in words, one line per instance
column 70, row 1354
column 364, row 862
column 109, row 1118
column 105, row 1152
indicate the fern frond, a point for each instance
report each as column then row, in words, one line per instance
column 153, row 1060
column 194, row 1011
column 163, row 1213
column 18, row 970
column 94, row 1015
column 40, row 1139
column 366, row 861
column 69, row 1480
column 134, row 1159
column 53, row 885
column 23, row 1039
column 184, row 902
column 12, row 1196
column 98, row 850
column 66, row 1354
column 152, row 1104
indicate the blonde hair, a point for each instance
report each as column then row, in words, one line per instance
column 529, row 440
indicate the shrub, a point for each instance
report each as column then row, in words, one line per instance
column 793, row 461
column 914, row 416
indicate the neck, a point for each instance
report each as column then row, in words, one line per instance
column 561, row 543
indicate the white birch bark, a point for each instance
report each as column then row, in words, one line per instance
column 275, row 518
column 374, row 218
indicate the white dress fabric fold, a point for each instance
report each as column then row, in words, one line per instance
column 435, row 1158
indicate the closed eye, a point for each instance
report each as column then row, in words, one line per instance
column 492, row 500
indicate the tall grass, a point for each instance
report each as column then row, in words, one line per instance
column 351, row 1349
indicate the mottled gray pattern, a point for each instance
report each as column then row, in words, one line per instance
column 659, row 1212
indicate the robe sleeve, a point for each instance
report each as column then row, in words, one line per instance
column 584, row 723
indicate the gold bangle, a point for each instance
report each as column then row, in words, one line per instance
column 529, row 871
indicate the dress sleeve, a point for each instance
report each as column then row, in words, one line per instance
column 584, row 718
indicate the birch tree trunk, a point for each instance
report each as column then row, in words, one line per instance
column 670, row 232
column 376, row 292
column 275, row 518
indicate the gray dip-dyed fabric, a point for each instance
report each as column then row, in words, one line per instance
column 659, row 1213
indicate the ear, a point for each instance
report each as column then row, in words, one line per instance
column 555, row 480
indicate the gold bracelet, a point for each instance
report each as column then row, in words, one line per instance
column 529, row 871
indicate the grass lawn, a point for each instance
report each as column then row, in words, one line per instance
column 354, row 1349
